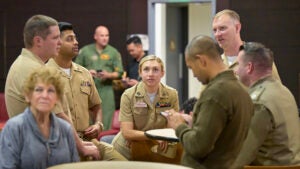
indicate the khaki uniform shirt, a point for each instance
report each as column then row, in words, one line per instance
column 274, row 137
column 26, row 63
column 221, row 121
column 81, row 94
column 136, row 107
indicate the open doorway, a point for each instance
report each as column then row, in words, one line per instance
column 171, row 25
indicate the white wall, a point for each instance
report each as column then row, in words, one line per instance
column 199, row 23
column 160, row 34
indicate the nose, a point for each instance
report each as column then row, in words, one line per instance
column 45, row 93
column 59, row 42
column 76, row 42
column 217, row 33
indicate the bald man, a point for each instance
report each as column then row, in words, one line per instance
column 105, row 64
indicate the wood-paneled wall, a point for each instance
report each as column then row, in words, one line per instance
column 275, row 23
column 122, row 17
column 272, row 22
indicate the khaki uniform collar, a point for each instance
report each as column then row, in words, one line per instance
column 141, row 92
column 261, row 80
column 32, row 56
column 74, row 67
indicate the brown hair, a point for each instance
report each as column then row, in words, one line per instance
column 37, row 25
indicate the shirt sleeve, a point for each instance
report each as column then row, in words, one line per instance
column 176, row 101
column 72, row 145
column 118, row 65
column 261, row 125
column 125, row 108
column 207, row 126
column 10, row 146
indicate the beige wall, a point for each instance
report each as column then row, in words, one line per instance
column 199, row 23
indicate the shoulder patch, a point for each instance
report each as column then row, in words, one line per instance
column 257, row 92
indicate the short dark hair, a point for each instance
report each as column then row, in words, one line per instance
column 202, row 44
column 258, row 54
column 188, row 105
column 64, row 26
column 134, row 39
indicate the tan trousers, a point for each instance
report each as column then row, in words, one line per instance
column 107, row 151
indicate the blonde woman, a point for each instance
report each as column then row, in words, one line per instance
column 141, row 105
column 37, row 138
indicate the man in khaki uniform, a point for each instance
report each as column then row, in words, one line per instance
column 273, row 137
column 141, row 105
column 41, row 43
column 83, row 99
column 226, row 27
column 32, row 57
column 220, row 119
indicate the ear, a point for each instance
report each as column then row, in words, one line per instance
column 250, row 67
column 95, row 37
column 27, row 98
column 238, row 27
column 202, row 60
column 37, row 40
column 162, row 73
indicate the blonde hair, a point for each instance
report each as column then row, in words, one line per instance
column 232, row 14
column 47, row 75
column 151, row 57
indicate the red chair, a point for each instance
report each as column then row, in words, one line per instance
column 115, row 126
column 3, row 112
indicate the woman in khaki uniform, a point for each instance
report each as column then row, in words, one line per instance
column 141, row 105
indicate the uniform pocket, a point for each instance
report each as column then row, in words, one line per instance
column 85, row 90
column 140, row 116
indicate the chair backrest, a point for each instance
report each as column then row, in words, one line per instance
column 3, row 112
column 272, row 167
column 115, row 122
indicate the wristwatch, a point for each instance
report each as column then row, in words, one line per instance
column 100, row 125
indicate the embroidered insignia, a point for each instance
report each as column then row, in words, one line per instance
column 255, row 94
column 104, row 57
column 140, row 104
column 85, row 83
column 163, row 104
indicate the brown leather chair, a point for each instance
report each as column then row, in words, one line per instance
column 272, row 167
